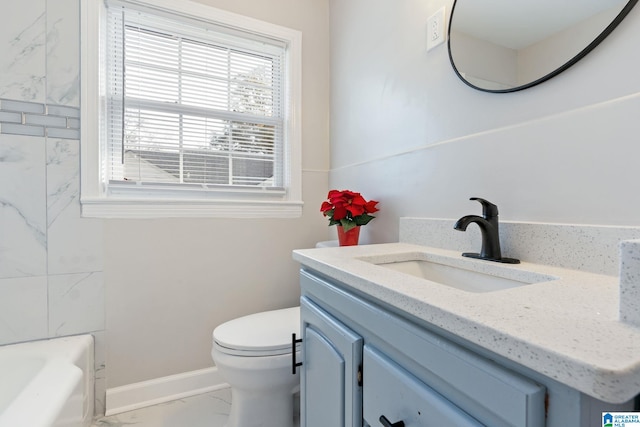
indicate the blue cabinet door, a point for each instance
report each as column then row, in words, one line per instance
column 332, row 356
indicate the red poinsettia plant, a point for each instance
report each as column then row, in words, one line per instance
column 348, row 209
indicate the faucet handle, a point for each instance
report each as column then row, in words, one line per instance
column 489, row 210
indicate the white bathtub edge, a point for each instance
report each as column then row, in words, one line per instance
column 62, row 391
column 160, row 390
column 56, row 382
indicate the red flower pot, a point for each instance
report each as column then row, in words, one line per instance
column 350, row 237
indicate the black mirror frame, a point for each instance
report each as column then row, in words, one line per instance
column 623, row 13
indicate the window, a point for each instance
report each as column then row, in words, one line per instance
column 188, row 113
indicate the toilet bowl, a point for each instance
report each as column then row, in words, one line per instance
column 253, row 354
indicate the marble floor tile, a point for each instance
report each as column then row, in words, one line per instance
column 204, row 410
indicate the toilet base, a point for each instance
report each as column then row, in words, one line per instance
column 250, row 409
column 258, row 369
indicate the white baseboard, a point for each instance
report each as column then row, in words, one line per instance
column 146, row 393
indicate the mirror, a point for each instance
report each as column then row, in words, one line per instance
column 510, row 45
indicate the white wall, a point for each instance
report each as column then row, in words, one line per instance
column 405, row 131
column 160, row 286
column 170, row 282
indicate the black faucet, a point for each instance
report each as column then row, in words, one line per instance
column 488, row 224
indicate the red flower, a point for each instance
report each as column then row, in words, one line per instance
column 370, row 207
column 326, row 206
column 348, row 208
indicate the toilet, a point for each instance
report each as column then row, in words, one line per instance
column 253, row 355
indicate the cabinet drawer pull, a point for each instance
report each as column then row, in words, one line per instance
column 294, row 363
column 386, row 423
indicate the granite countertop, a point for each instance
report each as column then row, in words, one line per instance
column 566, row 329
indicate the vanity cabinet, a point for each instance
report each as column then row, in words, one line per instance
column 364, row 365
column 331, row 376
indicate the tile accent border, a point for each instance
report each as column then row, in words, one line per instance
column 35, row 119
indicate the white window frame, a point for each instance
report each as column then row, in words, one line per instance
column 97, row 201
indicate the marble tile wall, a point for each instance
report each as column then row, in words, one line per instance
column 51, row 261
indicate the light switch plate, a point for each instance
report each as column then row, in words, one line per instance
column 435, row 29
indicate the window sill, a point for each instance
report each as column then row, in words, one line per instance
column 147, row 208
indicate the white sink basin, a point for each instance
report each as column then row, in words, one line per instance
column 464, row 277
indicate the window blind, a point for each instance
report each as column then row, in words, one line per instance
column 190, row 103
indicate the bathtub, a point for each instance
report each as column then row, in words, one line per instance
column 47, row 383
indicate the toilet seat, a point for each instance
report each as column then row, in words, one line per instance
column 260, row 334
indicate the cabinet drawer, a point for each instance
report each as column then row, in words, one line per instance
column 391, row 391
